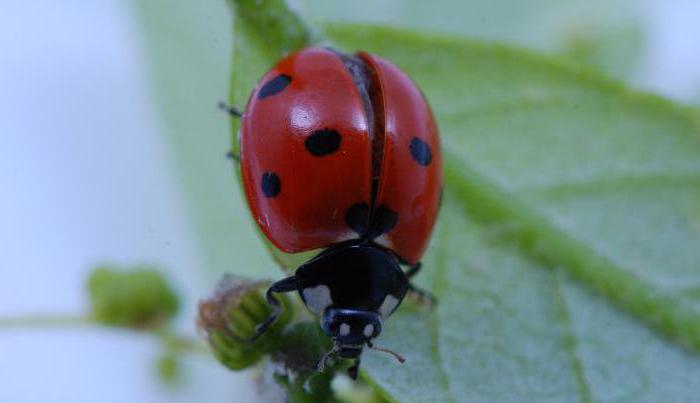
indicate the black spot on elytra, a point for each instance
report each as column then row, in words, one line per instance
column 357, row 216
column 420, row 151
column 270, row 184
column 323, row 142
column 384, row 220
column 274, row 86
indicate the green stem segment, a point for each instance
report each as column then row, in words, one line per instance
column 173, row 341
column 272, row 22
column 44, row 321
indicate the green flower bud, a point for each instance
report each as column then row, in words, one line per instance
column 301, row 347
column 138, row 298
column 168, row 366
column 230, row 317
column 303, row 344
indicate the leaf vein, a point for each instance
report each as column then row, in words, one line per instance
column 570, row 342
column 440, row 284
column 544, row 239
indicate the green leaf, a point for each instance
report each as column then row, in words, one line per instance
column 188, row 46
column 617, row 51
column 536, row 24
column 553, row 173
column 606, row 34
column 508, row 328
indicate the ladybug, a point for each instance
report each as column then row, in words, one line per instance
column 341, row 153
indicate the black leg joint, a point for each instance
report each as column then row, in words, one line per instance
column 285, row 285
column 414, row 270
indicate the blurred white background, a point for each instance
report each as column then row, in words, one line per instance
column 88, row 176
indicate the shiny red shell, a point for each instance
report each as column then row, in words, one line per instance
column 323, row 162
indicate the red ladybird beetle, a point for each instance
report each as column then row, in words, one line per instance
column 341, row 152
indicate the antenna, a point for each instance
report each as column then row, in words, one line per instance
column 321, row 366
column 396, row 355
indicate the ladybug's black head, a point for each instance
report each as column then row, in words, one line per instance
column 351, row 329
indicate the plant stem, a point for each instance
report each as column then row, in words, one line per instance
column 43, row 321
column 180, row 343
column 167, row 336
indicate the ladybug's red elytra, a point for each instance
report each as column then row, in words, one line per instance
column 341, row 152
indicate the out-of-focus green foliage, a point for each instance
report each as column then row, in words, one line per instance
column 168, row 366
column 605, row 34
column 617, row 52
column 139, row 298
column 229, row 318
column 301, row 346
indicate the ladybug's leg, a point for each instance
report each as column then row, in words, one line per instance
column 233, row 111
column 414, row 270
column 233, row 156
column 236, row 113
column 285, row 285
column 422, row 296
column 415, row 293
column 352, row 371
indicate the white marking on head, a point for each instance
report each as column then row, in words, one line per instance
column 317, row 298
column 368, row 330
column 344, row 329
column 388, row 306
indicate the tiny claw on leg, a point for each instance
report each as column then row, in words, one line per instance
column 285, row 285
column 259, row 330
column 421, row 296
column 230, row 109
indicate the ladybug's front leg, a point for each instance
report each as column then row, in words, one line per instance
column 285, row 285
column 414, row 270
column 417, row 294
column 422, row 296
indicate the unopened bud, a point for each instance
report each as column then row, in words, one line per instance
column 139, row 298
column 230, row 317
